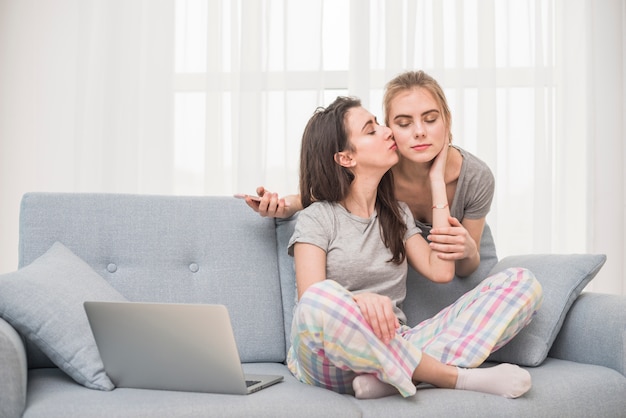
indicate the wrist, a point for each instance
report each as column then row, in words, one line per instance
column 437, row 180
column 473, row 259
column 468, row 265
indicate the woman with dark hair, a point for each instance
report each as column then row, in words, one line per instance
column 351, row 245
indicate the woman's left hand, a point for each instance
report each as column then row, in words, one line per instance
column 378, row 312
column 452, row 243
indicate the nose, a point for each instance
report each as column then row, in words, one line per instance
column 387, row 132
column 419, row 130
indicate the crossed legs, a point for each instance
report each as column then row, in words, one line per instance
column 333, row 346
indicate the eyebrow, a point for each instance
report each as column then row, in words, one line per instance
column 369, row 122
column 423, row 114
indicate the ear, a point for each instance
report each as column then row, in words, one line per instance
column 344, row 159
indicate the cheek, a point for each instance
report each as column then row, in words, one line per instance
column 441, row 128
column 401, row 136
column 439, row 132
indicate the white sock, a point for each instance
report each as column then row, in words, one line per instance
column 367, row 386
column 508, row 380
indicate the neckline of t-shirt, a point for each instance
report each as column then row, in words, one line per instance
column 351, row 215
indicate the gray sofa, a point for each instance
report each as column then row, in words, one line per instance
column 216, row 250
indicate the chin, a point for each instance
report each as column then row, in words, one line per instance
column 422, row 158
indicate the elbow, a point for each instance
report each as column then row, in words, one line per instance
column 445, row 276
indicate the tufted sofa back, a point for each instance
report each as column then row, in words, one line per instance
column 170, row 249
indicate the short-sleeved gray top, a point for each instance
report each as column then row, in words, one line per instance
column 356, row 256
column 474, row 191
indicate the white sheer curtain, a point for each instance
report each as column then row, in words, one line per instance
column 603, row 76
column 85, row 101
column 210, row 97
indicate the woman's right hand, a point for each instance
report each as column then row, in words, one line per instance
column 438, row 169
column 271, row 205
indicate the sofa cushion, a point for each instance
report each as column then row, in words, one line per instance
column 44, row 302
column 563, row 277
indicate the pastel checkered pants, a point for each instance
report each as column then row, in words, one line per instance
column 331, row 343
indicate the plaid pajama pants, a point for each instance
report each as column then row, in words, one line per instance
column 331, row 342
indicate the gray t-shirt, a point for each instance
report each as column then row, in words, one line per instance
column 474, row 191
column 356, row 256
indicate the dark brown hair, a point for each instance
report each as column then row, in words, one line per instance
column 322, row 179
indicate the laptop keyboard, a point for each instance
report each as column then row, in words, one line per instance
column 252, row 382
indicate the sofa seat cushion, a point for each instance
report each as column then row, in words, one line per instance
column 44, row 302
column 559, row 389
column 52, row 394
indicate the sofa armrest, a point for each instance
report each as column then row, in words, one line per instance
column 594, row 332
column 13, row 372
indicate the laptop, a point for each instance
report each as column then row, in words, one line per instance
column 171, row 346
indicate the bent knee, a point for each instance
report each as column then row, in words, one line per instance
column 526, row 283
column 527, row 279
column 520, row 278
column 322, row 290
column 320, row 302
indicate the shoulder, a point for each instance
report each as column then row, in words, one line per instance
column 318, row 212
column 316, row 224
column 473, row 163
column 318, row 208
column 475, row 171
column 404, row 208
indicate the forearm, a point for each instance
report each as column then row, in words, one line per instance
column 441, row 210
column 466, row 266
column 470, row 261
column 444, row 269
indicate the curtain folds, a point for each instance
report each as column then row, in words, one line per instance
column 210, row 97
